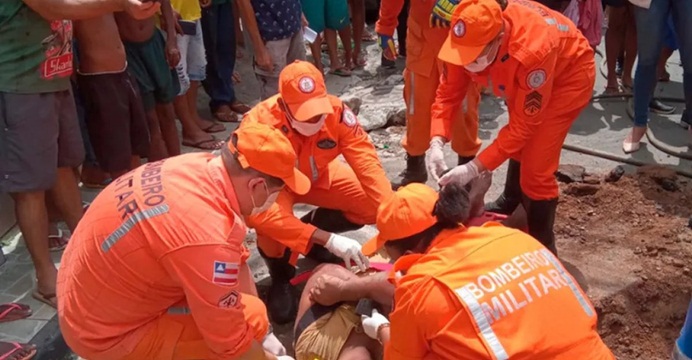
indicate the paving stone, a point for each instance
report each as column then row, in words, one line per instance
column 23, row 285
column 20, row 330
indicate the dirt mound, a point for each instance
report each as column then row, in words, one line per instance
column 631, row 245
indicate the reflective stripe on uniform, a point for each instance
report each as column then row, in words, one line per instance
column 572, row 286
column 482, row 322
column 178, row 310
column 412, row 89
column 126, row 226
column 313, row 168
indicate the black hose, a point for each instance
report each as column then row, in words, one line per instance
column 649, row 134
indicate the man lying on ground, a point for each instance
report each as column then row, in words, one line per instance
column 328, row 326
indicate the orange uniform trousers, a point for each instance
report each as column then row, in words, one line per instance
column 345, row 193
column 175, row 336
column 419, row 94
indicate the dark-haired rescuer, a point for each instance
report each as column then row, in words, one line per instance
column 487, row 292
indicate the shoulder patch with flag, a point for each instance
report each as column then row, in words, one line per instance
column 225, row 273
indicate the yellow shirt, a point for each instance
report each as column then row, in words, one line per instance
column 189, row 10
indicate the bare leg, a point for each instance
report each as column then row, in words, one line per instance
column 191, row 130
column 345, row 35
column 316, row 50
column 358, row 24
column 630, row 46
column 614, row 43
column 334, row 62
column 239, row 39
column 192, row 105
column 157, row 147
column 357, row 347
column 32, row 216
column 67, row 198
column 166, row 117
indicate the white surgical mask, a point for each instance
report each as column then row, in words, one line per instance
column 271, row 199
column 305, row 128
column 483, row 61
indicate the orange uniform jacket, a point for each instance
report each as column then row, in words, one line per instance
column 422, row 42
column 165, row 233
column 489, row 292
column 541, row 70
column 340, row 135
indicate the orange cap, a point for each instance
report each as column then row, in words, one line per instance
column 407, row 212
column 265, row 149
column 302, row 88
column 474, row 24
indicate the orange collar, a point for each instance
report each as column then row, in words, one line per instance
column 504, row 47
column 404, row 263
column 222, row 181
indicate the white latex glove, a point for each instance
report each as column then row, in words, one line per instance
column 284, row 357
column 461, row 174
column 372, row 323
column 347, row 249
column 435, row 158
column 273, row 345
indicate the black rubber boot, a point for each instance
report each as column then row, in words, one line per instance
column 540, row 215
column 282, row 303
column 415, row 172
column 510, row 198
column 332, row 221
column 461, row 160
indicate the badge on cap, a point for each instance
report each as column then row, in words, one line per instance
column 536, row 78
column 349, row 118
column 306, row 84
column 459, row 28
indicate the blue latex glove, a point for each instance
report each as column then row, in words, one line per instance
column 386, row 42
column 442, row 13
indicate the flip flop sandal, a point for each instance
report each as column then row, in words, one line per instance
column 340, row 72
column 14, row 311
column 612, row 90
column 215, row 144
column 369, row 37
column 359, row 61
column 13, row 349
column 210, row 129
column 226, row 117
column 45, row 298
column 60, row 238
column 240, row 107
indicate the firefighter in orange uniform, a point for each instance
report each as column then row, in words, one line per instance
column 476, row 293
column 156, row 268
column 421, row 79
column 544, row 67
column 320, row 127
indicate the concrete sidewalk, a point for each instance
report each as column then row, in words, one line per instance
column 602, row 126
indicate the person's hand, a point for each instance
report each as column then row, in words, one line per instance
column 172, row 52
column 304, row 20
column 204, row 3
column 273, row 345
column 461, row 174
column 142, row 10
column 262, row 58
column 347, row 249
column 328, row 290
column 386, row 42
column 435, row 158
column 372, row 324
column 442, row 13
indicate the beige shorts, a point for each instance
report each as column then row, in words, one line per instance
column 324, row 339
